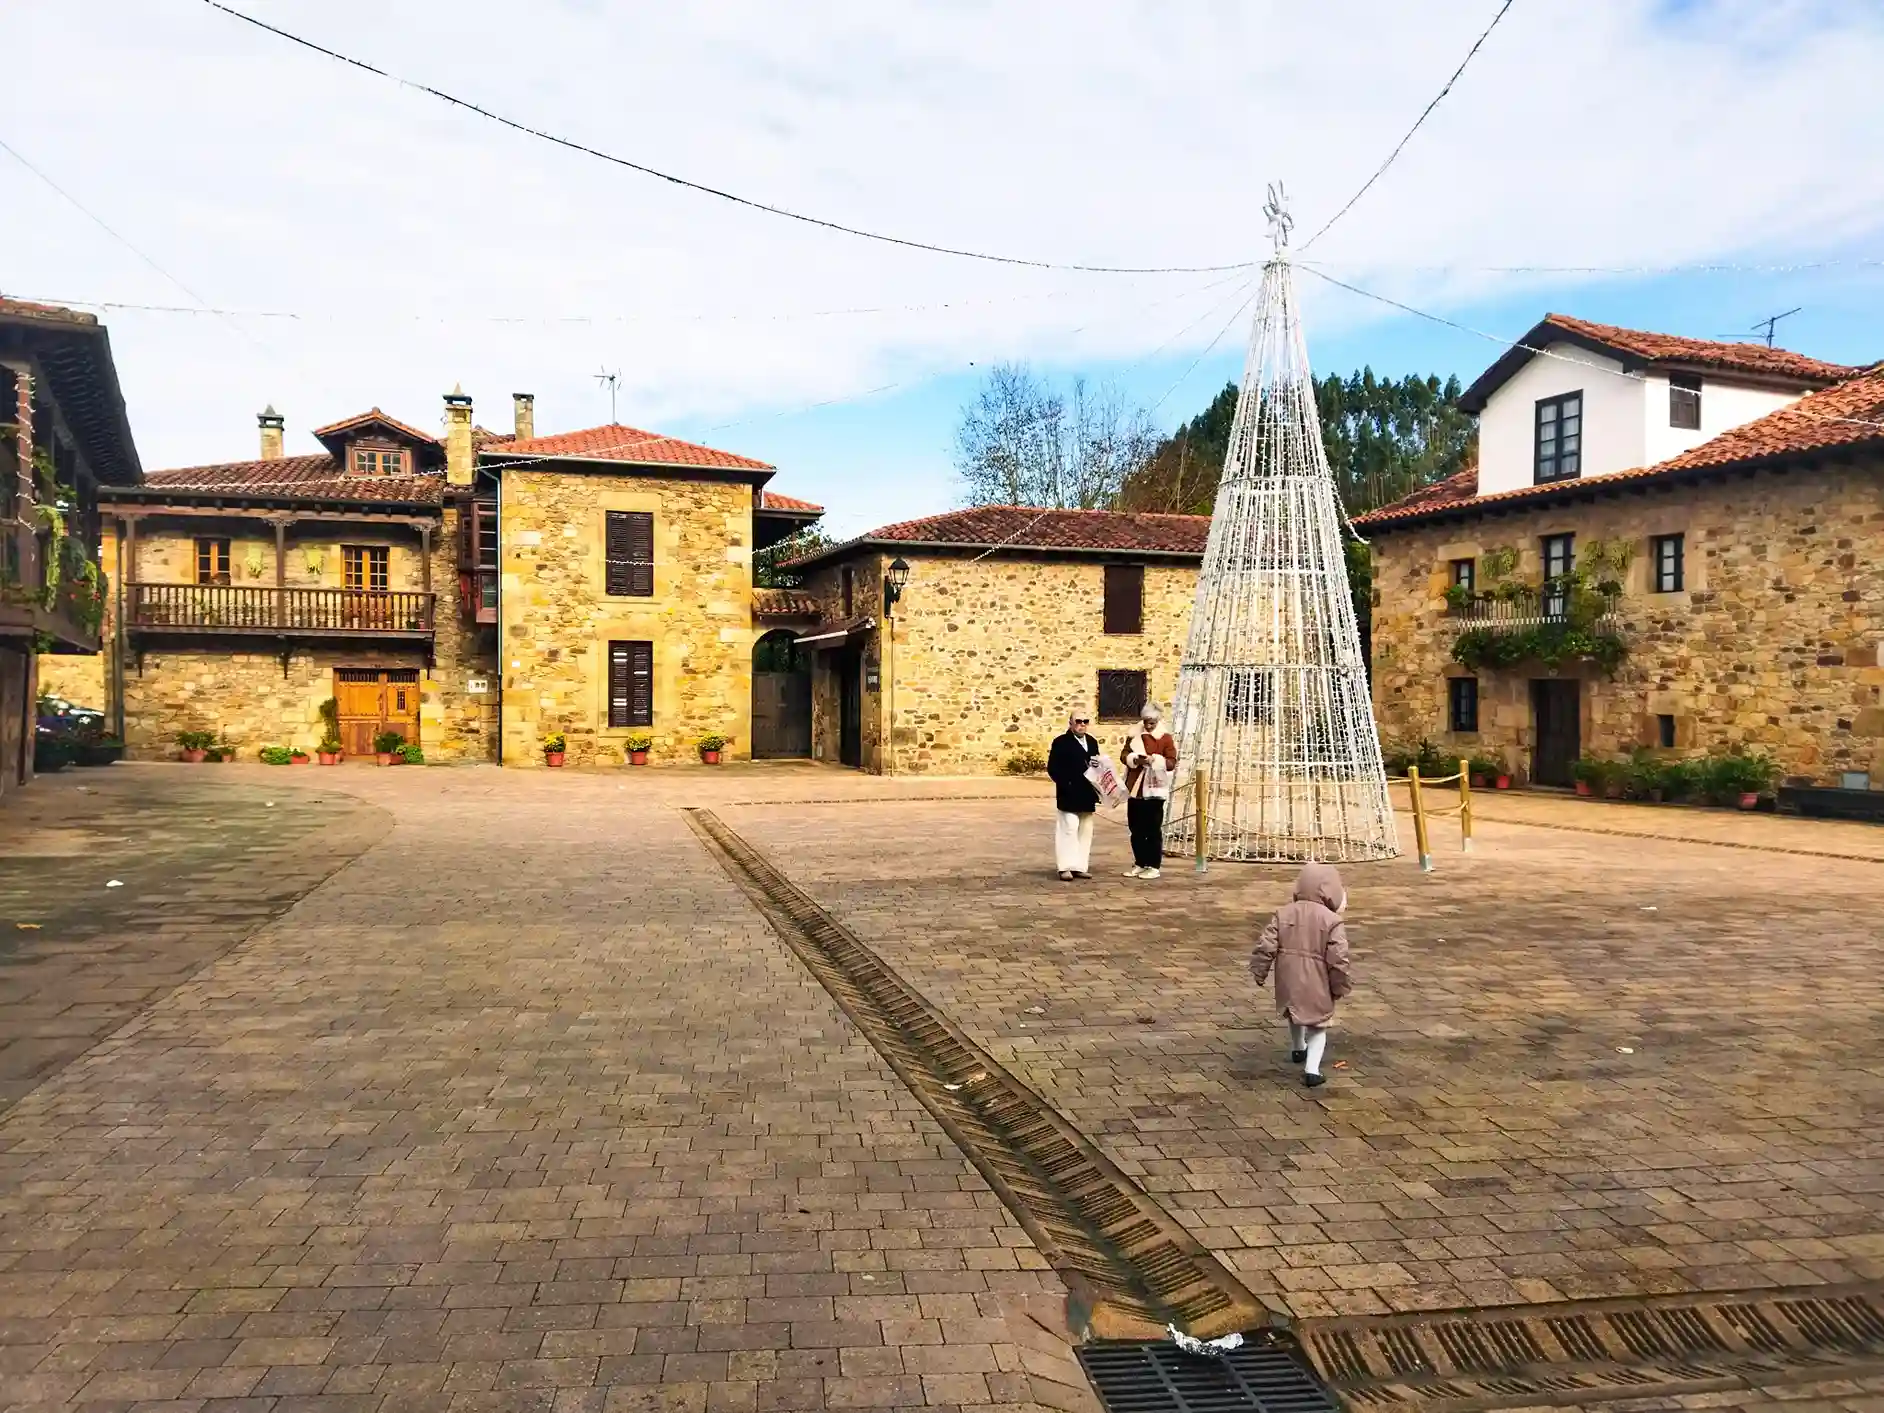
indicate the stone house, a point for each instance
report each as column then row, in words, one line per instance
column 64, row 436
column 1668, row 543
column 954, row 644
column 472, row 592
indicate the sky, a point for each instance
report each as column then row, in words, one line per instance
column 362, row 243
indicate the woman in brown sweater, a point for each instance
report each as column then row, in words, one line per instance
column 1150, row 756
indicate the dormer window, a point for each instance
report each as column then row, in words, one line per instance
column 378, row 461
column 1559, row 437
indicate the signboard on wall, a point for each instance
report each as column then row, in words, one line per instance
column 477, row 684
column 870, row 679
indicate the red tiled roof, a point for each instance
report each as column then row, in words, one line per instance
column 310, row 477
column 614, row 442
column 783, row 603
column 57, row 313
column 1670, row 348
column 1850, row 414
column 1023, row 527
column 346, row 424
column 772, row 500
column 484, row 436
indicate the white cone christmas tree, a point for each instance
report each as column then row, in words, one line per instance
column 1272, row 700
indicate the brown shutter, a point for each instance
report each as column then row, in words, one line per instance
column 1125, row 598
column 631, row 684
column 618, row 687
column 630, row 553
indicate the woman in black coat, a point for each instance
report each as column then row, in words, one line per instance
column 1074, row 798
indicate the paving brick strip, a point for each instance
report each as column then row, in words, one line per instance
column 1134, row 1267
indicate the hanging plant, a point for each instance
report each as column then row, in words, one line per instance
column 1498, row 562
column 316, row 559
column 1552, row 644
column 252, row 561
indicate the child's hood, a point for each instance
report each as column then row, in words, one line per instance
column 1319, row 883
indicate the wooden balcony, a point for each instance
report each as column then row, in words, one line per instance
column 67, row 619
column 1531, row 606
column 213, row 609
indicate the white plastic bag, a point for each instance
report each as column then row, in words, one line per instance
column 1106, row 779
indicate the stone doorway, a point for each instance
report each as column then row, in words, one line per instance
column 376, row 699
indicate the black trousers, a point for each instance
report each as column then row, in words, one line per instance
column 1145, row 818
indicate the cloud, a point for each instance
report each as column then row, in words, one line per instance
column 402, row 231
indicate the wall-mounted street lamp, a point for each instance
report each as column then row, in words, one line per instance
column 894, row 578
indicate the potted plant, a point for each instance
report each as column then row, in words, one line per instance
column 411, row 754
column 1680, row 779
column 638, row 747
column 1589, row 774
column 275, row 755
column 1739, row 779
column 297, row 756
column 554, row 748
column 1484, row 770
column 329, row 752
column 195, row 745
column 218, row 754
column 711, row 745
column 1642, row 777
column 386, row 747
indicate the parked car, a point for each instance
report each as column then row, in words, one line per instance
column 62, row 717
column 69, row 734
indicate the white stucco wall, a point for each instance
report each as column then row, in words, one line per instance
column 1724, row 406
column 1614, row 424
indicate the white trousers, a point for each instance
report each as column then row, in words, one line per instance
column 1313, row 1039
column 1072, row 842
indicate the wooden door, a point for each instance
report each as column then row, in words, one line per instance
column 850, row 707
column 1557, row 729
column 373, row 700
column 781, row 714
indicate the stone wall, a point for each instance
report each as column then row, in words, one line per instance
column 455, row 722
column 989, row 655
column 558, row 621
column 1772, row 646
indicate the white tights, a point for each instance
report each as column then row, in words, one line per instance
column 1313, row 1039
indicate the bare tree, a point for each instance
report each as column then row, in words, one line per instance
column 1021, row 442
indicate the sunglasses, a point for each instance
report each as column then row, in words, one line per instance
column 1081, row 721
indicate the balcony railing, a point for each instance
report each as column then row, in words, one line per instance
column 228, row 608
column 1531, row 606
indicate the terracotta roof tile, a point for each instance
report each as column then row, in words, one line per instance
column 1671, row 348
column 52, row 313
column 1022, row 527
column 772, row 500
column 614, row 442
column 1848, row 415
column 312, row 477
column 783, row 603
column 346, row 424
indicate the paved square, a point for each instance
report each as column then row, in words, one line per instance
column 462, row 1089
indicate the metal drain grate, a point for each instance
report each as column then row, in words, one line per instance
column 1580, row 1351
column 1158, row 1378
column 1105, row 1237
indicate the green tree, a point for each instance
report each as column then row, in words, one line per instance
column 768, row 571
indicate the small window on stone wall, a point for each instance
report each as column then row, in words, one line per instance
column 1462, row 703
column 1665, row 731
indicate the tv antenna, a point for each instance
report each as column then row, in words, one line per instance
column 614, row 384
column 1768, row 324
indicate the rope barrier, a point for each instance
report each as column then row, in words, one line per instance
column 1413, row 780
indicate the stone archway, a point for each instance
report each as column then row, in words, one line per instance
column 781, row 696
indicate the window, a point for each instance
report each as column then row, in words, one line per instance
column 1665, row 731
column 1465, row 574
column 1665, row 563
column 1122, row 695
column 378, row 461
column 366, row 568
column 1250, row 695
column 849, row 578
column 1684, row 400
column 630, row 553
column 1560, row 558
column 1559, row 437
column 212, row 561
column 631, row 684
column 1125, row 598
column 1462, row 703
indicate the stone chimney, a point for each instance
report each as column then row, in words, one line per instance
column 525, row 414
column 460, row 454
column 270, row 422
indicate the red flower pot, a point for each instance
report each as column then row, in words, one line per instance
column 1478, row 782
column 1583, row 788
column 637, row 757
column 709, row 757
column 385, row 757
column 1749, row 801
column 1503, row 782
column 330, row 758
column 298, row 758
column 196, row 757
column 553, row 758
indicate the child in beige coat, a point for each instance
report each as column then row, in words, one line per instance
column 1306, row 945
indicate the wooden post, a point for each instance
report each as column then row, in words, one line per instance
column 1419, row 819
column 1465, row 807
column 281, row 574
column 1200, row 786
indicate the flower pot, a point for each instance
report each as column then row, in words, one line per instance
column 1503, row 782
column 1749, row 801
column 709, row 757
column 385, row 757
column 196, row 757
column 637, row 757
column 1478, row 782
column 299, row 759
column 1583, row 788
column 553, row 758
column 1657, row 795
column 330, row 757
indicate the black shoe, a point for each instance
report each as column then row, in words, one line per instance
column 1298, row 1057
column 1085, row 877
column 1314, row 1081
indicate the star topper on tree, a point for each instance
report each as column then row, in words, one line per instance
column 1276, row 209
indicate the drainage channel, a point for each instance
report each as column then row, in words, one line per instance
column 1123, row 1258
column 1588, row 1351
